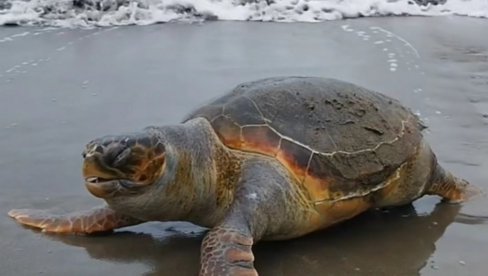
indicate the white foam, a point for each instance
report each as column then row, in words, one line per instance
column 126, row 12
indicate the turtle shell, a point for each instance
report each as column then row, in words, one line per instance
column 340, row 140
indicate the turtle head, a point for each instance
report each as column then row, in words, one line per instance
column 124, row 164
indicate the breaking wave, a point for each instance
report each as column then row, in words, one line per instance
column 88, row 13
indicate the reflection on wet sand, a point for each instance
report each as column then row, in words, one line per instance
column 392, row 242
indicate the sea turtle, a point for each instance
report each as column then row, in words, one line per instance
column 273, row 159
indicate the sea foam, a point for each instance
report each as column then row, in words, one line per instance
column 88, row 13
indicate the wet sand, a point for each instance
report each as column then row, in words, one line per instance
column 60, row 88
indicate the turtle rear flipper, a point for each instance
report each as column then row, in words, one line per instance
column 102, row 219
column 452, row 189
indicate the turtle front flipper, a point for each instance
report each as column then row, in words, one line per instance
column 227, row 251
column 266, row 203
column 101, row 219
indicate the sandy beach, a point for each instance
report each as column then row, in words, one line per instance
column 59, row 88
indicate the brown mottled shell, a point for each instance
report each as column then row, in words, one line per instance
column 337, row 138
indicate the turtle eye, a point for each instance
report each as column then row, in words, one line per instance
column 143, row 178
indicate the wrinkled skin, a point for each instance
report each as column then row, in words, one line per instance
column 185, row 172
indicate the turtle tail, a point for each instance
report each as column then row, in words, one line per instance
column 451, row 188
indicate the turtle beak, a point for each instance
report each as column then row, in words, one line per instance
column 100, row 181
column 100, row 189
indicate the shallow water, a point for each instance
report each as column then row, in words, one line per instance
column 61, row 88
